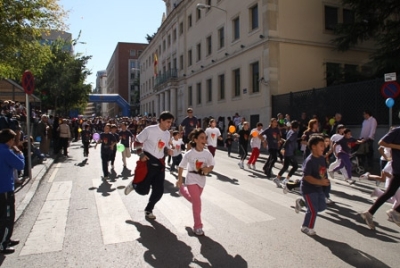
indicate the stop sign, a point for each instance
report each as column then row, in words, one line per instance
column 28, row 82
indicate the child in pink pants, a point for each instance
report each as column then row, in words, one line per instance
column 199, row 163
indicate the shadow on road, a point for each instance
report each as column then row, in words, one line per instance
column 164, row 248
column 351, row 256
column 225, row 178
column 216, row 254
column 104, row 188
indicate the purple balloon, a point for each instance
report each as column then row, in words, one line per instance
column 96, row 136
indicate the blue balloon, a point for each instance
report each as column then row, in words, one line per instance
column 389, row 102
column 38, row 138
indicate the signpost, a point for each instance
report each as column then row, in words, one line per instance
column 28, row 83
column 390, row 90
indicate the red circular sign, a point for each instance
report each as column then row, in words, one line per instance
column 28, row 82
column 390, row 90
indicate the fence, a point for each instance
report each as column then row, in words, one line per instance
column 350, row 100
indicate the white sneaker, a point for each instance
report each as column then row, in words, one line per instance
column 298, row 205
column 350, row 181
column 129, row 188
column 308, row 231
column 198, row 232
column 277, row 182
column 149, row 215
column 368, row 219
column 241, row 165
column 394, row 215
column 253, row 167
column 285, row 189
column 328, row 201
column 365, row 176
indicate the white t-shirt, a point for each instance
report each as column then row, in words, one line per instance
column 176, row 146
column 387, row 152
column 212, row 136
column 194, row 161
column 154, row 140
column 255, row 142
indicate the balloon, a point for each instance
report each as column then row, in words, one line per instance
column 96, row 136
column 120, row 147
column 79, row 130
column 389, row 102
column 38, row 139
column 232, row 129
column 254, row 134
column 331, row 121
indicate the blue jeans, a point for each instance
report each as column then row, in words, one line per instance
column 315, row 203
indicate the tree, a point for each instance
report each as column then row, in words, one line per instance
column 149, row 38
column 22, row 24
column 377, row 21
column 61, row 86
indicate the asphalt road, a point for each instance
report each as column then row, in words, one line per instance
column 77, row 220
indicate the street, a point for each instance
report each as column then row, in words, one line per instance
column 77, row 220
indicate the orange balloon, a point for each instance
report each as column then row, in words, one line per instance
column 254, row 134
column 232, row 129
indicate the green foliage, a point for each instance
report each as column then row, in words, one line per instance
column 22, row 24
column 377, row 21
column 149, row 38
column 62, row 83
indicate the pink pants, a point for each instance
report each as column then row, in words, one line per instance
column 255, row 153
column 192, row 193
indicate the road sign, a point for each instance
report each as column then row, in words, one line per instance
column 28, row 82
column 390, row 77
column 390, row 90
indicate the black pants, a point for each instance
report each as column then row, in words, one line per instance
column 243, row 151
column 368, row 159
column 7, row 217
column 289, row 160
column 273, row 157
column 86, row 148
column 113, row 154
column 176, row 160
column 390, row 191
column 105, row 157
column 64, row 145
column 155, row 179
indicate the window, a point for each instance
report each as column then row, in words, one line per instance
column 255, row 76
column 174, row 35
column 159, row 50
column 132, row 52
column 190, row 58
column 331, row 18
column 254, row 17
column 351, row 73
column 236, row 83
column 198, row 14
column 169, row 40
column 139, row 53
column 163, row 45
column 348, row 16
column 181, row 62
column 236, row 29
column 209, row 90
column 190, row 96
column 198, row 95
column 221, row 87
column 198, row 52
column 221, row 37
column 174, row 63
column 181, row 28
column 209, row 45
column 189, row 21
column 333, row 74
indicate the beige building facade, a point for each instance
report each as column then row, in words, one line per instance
column 230, row 56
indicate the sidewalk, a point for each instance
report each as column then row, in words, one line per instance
column 25, row 192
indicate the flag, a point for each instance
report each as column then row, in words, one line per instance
column 155, row 64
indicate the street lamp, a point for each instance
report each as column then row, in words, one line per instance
column 204, row 6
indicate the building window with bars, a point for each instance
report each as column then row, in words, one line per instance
column 236, row 83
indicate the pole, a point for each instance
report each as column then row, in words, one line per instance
column 390, row 116
column 28, row 134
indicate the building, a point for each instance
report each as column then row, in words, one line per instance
column 233, row 55
column 122, row 75
column 49, row 37
column 101, row 88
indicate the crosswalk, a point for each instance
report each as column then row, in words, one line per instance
column 114, row 211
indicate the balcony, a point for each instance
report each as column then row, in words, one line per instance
column 170, row 75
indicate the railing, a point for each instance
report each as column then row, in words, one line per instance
column 166, row 76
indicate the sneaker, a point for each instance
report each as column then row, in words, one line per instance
column 149, row 215
column 248, row 166
column 368, row 219
column 277, row 182
column 394, row 215
column 240, row 164
column 389, row 215
column 365, row 176
column 129, row 188
column 308, row 231
column 253, row 167
column 331, row 174
column 284, row 181
column 285, row 189
column 374, row 193
column 351, row 182
column 198, row 232
column 328, row 201
column 298, row 205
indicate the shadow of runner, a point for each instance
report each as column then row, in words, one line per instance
column 104, row 188
column 170, row 188
column 349, row 255
column 83, row 163
column 126, row 174
column 216, row 254
column 225, row 178
column 164, row 248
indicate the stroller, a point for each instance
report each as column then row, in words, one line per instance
column 358, row 152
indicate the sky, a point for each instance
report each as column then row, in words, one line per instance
column 105, row 23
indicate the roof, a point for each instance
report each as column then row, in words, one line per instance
column 10, row 90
